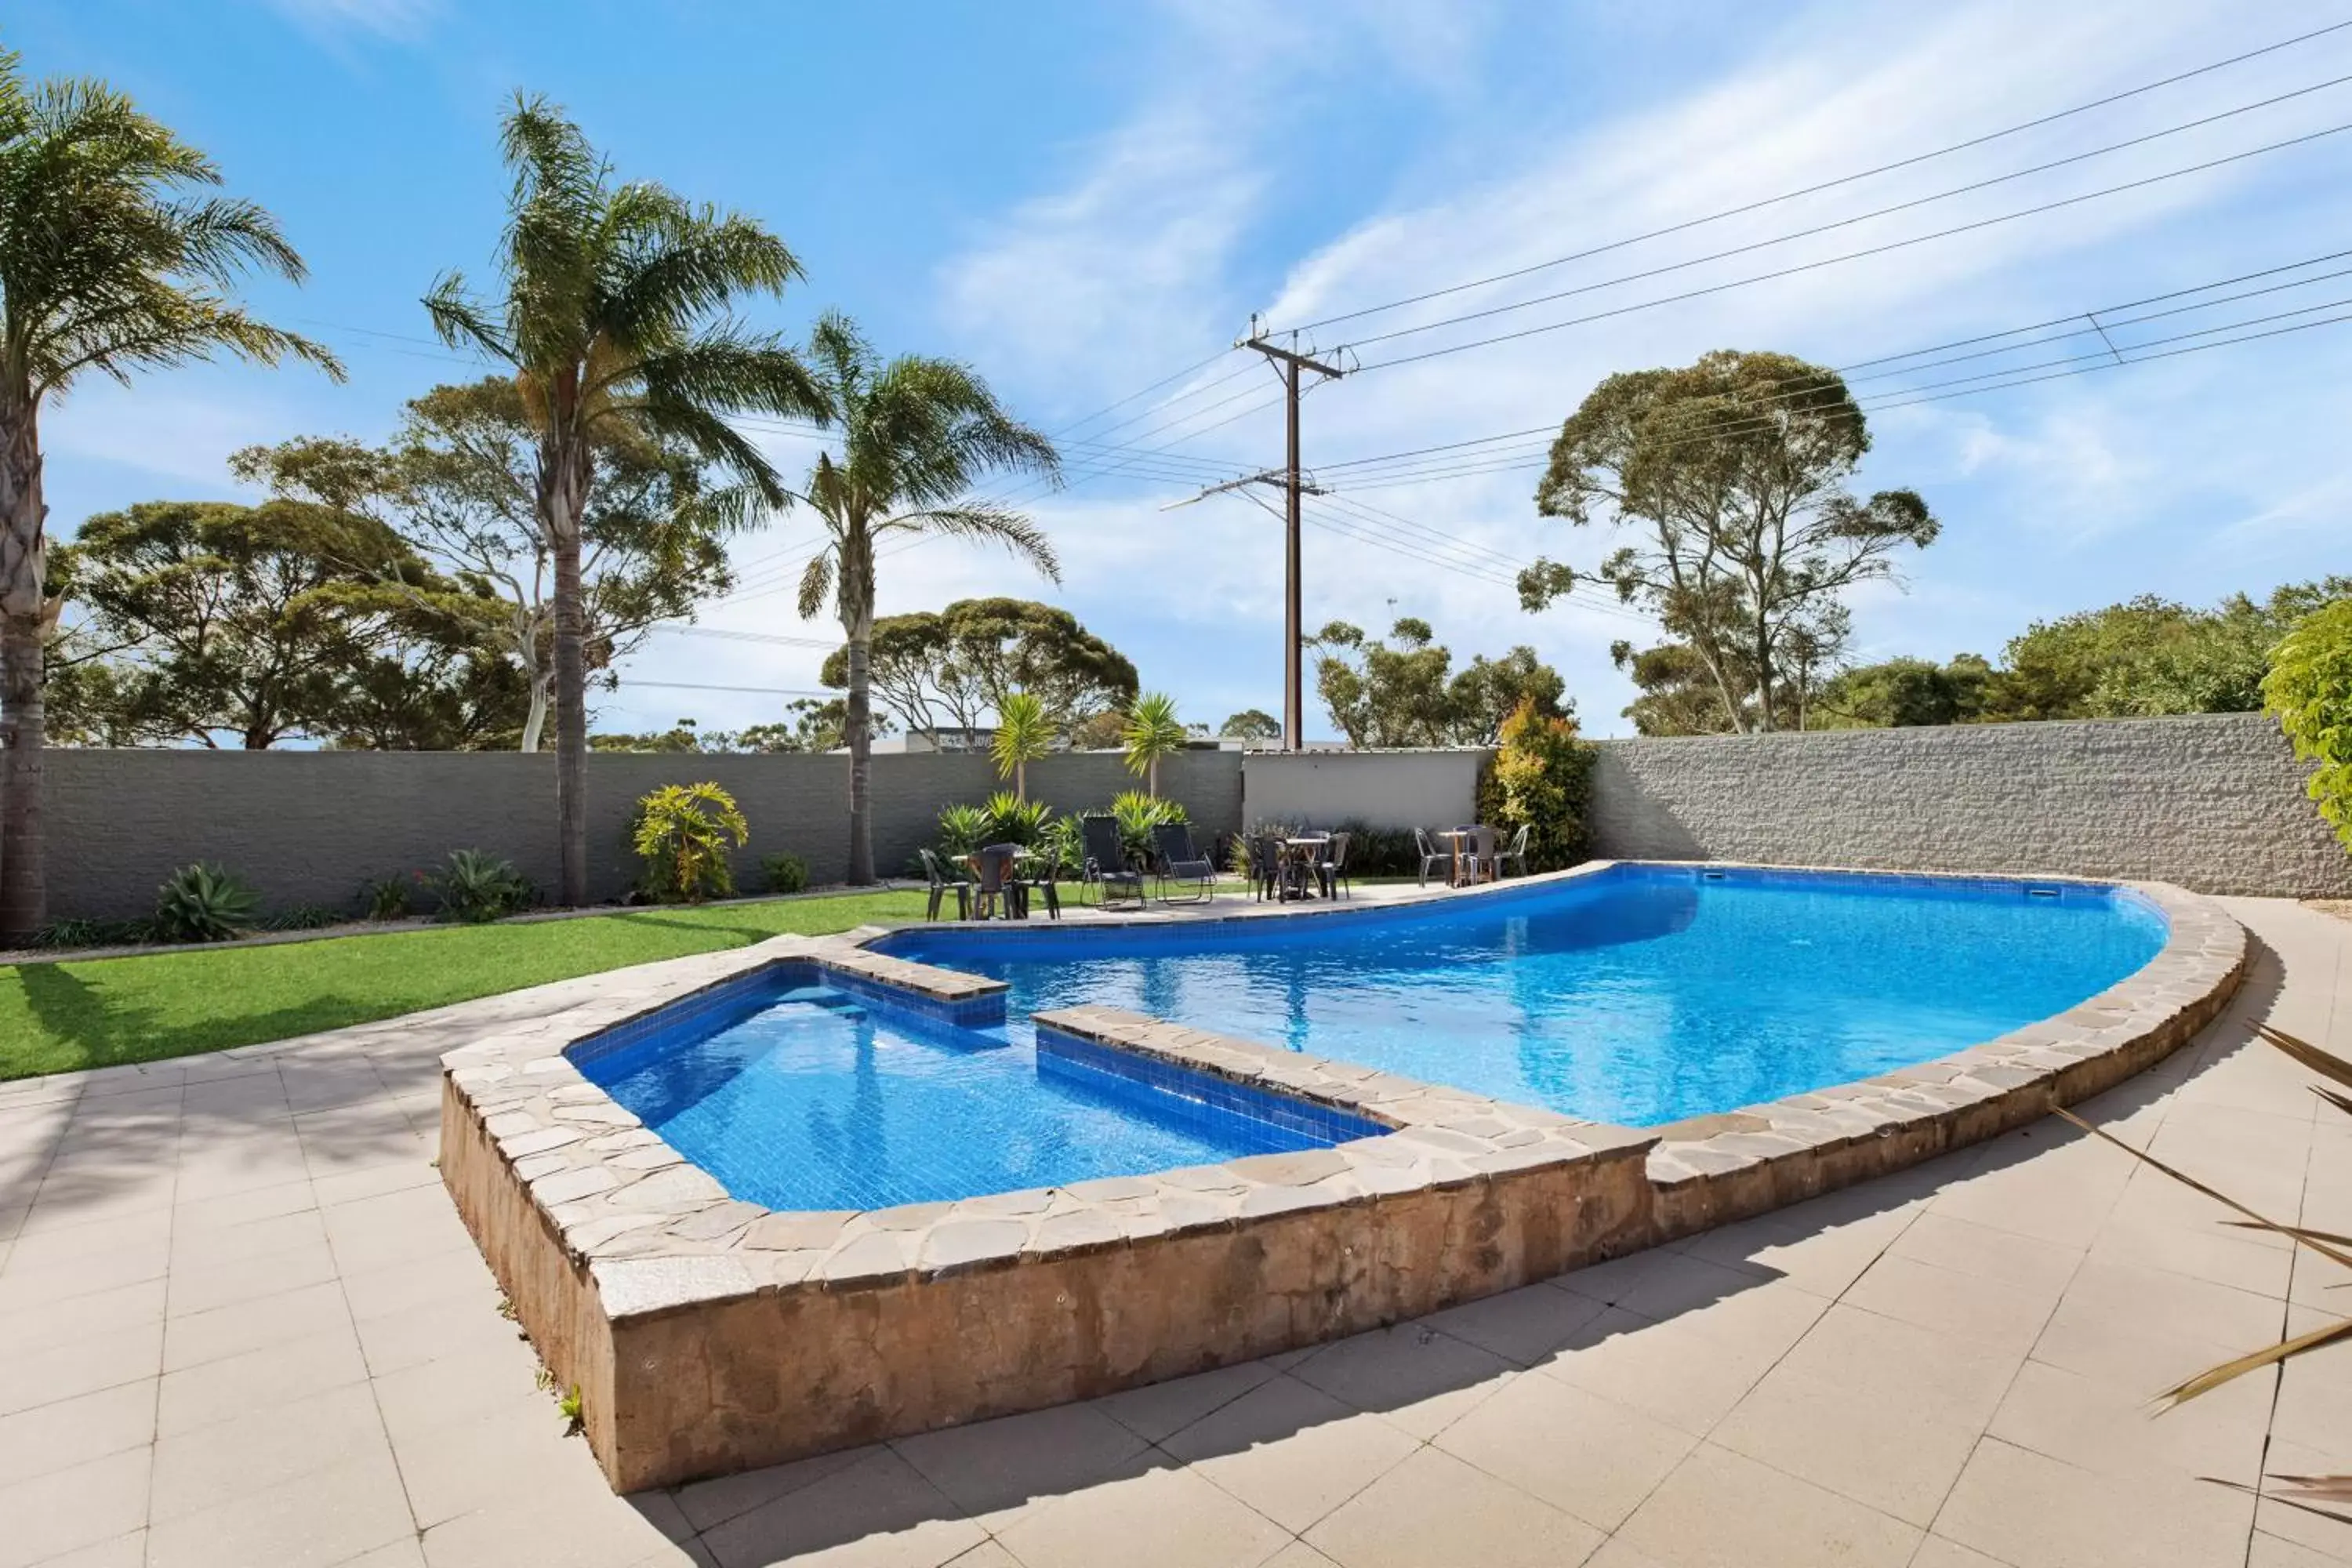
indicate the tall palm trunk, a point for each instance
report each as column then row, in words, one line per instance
column 563, row 480
column 24, row 884
column 856, row 601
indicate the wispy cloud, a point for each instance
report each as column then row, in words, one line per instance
column 399, row 21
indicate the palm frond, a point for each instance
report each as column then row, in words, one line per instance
column 816, row 582
column 2206, row 1381
column 698, row 262
column 460, row 323
column 2326, row 1064
column 679, row 415
column 731, row 368
column 2304, row 1238
column 985, row 522
column 223, row 238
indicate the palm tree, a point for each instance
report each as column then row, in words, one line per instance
column 110, row 261
column 1023, row 734
column 614, row 315
column 1151, row 732
column 915, row 435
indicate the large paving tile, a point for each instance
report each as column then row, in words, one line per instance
column 201, row 1287
column 197, row 1249
column 32, row 1280
column 1671, row 1371
column 2004, row 1257
column 880, row 1511
column 257, row 1379
column 125, row 1551
column 75, row 1431
column 1412, row 1375
column 993, row 1470
column 2035, row 1511
column 197, row 1214
column 1663, row 1282
column 1574, row 1449
column 1158, row 1409
column 205, row 1466
column 439, row 1329
column 1904, row 1365
column 2102, row 1426
column 67, row 1510
column 1955, row 1302
column 249, row 1325
column 1523, row 1326
column 396, row 1228
column 326, row 1517
column 31, row 1328
column 423, row 1402
column 1290, row 1451
column 710, row 1503
column 70, row 1368
column 404, row 1287
column 1433, row 1508
column 139, row 1233
column 1898, row 1457
column 515, row 1450
column 1720, row 1509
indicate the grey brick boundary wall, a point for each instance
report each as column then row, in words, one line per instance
column 310, row 827
column 2212, row 802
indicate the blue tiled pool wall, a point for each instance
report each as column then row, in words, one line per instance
column 981, row 1012
column 716, row 1007
column 1065, row 1054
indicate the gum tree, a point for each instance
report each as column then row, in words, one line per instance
column 916, row 435
column 113, row 260
column 614, row 312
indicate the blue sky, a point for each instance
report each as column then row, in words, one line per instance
column 1080, row 199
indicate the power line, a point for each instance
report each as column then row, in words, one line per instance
column 1826, row 184
column 1882, row 249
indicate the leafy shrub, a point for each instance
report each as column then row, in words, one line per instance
column 1061, row 847
column 204, row 903
column 1011, row 820
column 682, row 833
column 1540, row 777
column 2309, row 691
column 784, row 873
column 303, row 917
column 476, row 889
column 962, row 829
column 1380, row 851
column 61, row 934
column 1136, row 814
column 388, row 898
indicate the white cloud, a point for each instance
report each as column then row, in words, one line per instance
column 398, row 20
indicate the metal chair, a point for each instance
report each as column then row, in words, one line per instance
column 1517, row 854
column 1482, row 853
column 1333, row 869
column 940, row 883
column 1179, row 862
column 1432, row 856
column 1105, row 868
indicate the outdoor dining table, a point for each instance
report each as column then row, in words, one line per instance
column 1454, row 836
column 1299, row 864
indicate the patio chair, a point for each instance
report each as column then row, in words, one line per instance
column 1105, row 868
column 1265, row 865
column 940, row 884
column 1180, row 862
column 998, row 893
column 1517, row 854
column 1432, row 856
column 1332, row 871
column 1483, row 856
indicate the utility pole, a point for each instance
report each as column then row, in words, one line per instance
column 1287, row 363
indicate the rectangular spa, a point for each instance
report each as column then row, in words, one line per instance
column 762, row 1205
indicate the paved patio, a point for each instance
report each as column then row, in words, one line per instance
column 240, row 1324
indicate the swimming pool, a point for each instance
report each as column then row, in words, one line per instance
column 802, row 1096
column 1639, row 994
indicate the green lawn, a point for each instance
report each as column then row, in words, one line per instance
column 55, row 1018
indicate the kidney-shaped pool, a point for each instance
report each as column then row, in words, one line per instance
column 1639, row 994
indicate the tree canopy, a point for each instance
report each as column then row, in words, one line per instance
column 1250, row 724
column 1404, row 690
column 1731, row 474
column 207, row 621
column 954, row 668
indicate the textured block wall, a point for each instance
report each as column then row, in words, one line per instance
column 309, row 827
column 2213, row 802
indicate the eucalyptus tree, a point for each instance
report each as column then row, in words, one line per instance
column 915, row 434
column 614, row 312
column 113, row 260
column 1729, row 477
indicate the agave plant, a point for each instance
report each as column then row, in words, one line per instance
column 476, row 889
column 962, row 829
column 204, row 903
column 2304, row 1492
column 1011, row 820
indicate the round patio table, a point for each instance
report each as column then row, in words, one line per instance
column 1298, row 856
column 1454, row 836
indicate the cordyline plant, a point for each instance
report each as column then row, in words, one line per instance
column 1024, row 734
column 112, row 260
column 2306, row 1492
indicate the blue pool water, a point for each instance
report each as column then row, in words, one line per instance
column 801, row 1097
column 1639, row 995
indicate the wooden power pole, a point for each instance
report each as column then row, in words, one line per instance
column 1287, row 363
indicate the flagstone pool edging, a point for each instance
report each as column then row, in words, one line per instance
column 706, row 1334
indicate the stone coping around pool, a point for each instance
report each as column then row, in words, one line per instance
column 709, row 1334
